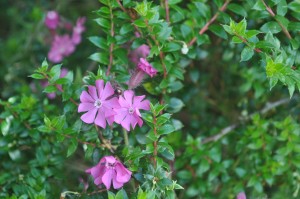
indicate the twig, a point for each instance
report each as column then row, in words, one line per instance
column 111, row 47
column 246, row 42
column 106, row 143
column 205, row 27
column 229, row 129
column 167, row 11
column 270, row 11
column 155, row 142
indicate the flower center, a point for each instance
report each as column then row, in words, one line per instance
column 110, row 165
column 97, row 103
column 131, row 110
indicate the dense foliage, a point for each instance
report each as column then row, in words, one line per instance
column 201, row 99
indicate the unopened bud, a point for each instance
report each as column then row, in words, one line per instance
column 184, row 49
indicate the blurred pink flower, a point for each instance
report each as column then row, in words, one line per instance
column 241, row 195
column 78, row 30
column 146, row 67
column 61, row 47
column 52, row 19
column 129, row 112
column 140, row 52
column 110, row 170
column 98, row 104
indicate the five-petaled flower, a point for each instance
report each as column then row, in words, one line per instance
column 129, row 111
column 99, row 103
column 110, row 170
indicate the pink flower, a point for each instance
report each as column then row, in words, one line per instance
column 129, row 112
column 62, row 46
column 241, row 195
column 78, row 30
column 146, row 67
column 140, row 52
column 108, row 170
column 52, row 19
column 98, row 104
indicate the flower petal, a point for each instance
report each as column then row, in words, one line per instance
column 110, row 159
column 93, row 92
column 121, row 114
column 128, row 96
column 89, row 116
column 85, row 97
column 133, row 121
column 116, row 184
column 123, row 102
column 107, row 92
column 126, row 123
column 100, row 119
column 99, row 86
column 112, row 103
column 123, row 174
column 83, row 107
column 107, row 178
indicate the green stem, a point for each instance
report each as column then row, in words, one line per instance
column 125, row 137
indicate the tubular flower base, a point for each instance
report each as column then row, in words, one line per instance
column 98, row 104
column 146, row 67
column 129, row 111
column 110, row 170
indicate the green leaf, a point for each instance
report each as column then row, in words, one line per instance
column 121, row 195
column 111, row 195
column 295, row 6
column 171, row 47
column 272, row 27
column 103, row 22
column 99, row 42
column 237, row 9
column 50, row 89
column 218, row 30
column 5, row 127
column 247, row 54
column 126, row 28
column 203, row 9
column 165, row 129
column 72, row 146
column 100, row 57
column 282, row 8
column 294, row 26
column 37, row 76
column 140, row 23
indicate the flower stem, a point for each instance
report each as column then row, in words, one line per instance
column 125, row 137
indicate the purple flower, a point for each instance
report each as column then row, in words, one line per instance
column 78, row 30
column 108, row 170
column 62, row 46
column 241, row 195
column 146, row 67
column 98, row 104
column 129, row 111
column 52, row 19
column 140, row 52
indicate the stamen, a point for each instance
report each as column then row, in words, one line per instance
column 131, row 110
column 97, row 103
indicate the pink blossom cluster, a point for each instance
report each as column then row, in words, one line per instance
column 63, row 45
column 102, row 106
column 110, row 171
